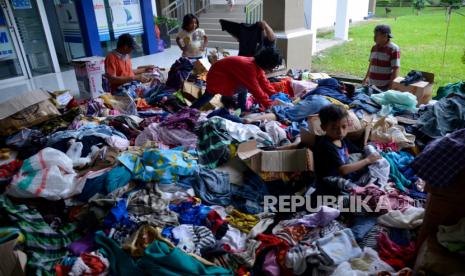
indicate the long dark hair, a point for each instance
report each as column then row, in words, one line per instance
column 187, row 20
column 268, row 58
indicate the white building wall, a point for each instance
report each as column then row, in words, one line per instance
column 325, row 12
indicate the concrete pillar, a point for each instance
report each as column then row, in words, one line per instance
column 286, row 17
column 149, row 39
column 342, row 20
column 310, row 20
column 88, row 25
column 372, row 7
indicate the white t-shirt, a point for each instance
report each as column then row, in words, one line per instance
column 193, row 41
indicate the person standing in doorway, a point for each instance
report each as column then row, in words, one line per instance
column 118, row 65
column 384, row 59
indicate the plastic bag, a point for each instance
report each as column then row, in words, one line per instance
column 387, row 130
column 392, row 101
column 48, row 174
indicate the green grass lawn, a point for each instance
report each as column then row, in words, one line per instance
column 421, row 39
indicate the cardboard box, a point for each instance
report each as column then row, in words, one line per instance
column 191, row 91
column 26, row 110
column 89, row 73
column 357, row 129
column 201, row 66
column 423, row 90
column 299, row 160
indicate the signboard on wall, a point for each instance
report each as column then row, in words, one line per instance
column 102, row 22
column 21, row 4
column 69, row 22
column 126, row 17
column 6, row 45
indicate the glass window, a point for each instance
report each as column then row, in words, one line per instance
column 31, row 31
column 9, row 60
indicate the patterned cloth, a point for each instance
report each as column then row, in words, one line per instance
column 213, row 144
column 156, row 165
column 44, row 245
column 148, row 206
column 442, row 161
column 184, row 119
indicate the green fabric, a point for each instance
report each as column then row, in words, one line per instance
column 395, row 175
column 444, row 91
column 456, row 246
column 44, row 246
column 120, row 262
column 160, row 260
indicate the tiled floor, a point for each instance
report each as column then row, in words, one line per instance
column 67, row 79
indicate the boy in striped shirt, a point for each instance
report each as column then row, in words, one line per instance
column 384, row 59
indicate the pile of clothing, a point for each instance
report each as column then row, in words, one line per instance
column 150, row 187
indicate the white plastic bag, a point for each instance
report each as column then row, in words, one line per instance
column 48, row 174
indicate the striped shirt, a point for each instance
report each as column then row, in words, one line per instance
column 383, row 61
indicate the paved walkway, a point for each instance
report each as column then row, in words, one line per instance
column 324, row 44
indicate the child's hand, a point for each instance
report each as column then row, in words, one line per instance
column 372, row 158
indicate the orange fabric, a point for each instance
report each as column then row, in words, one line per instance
column 285, row 86
column 117, row 67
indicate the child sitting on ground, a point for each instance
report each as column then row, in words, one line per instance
column 331, row 152
column 191, row 39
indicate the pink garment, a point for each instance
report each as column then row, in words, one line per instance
column 385, row 202
column 270, row 265
column 302, row 87
column 385, row 146
column 397, row 201
column 170, row 137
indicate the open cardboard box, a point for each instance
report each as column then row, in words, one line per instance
column 192, row 91
column 358, row 129
column 423, row 90
column 201, row 66
column 25, row 110
column 260, row 161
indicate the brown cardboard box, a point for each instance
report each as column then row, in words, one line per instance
column 191, row 91
column 423, row 90
column 26, row 110
column 357, row 130
column 89, row 71
column 201, row 66
column 259, row 161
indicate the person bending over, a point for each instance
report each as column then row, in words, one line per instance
column 236, row 75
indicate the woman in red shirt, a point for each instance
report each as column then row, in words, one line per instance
column 239, row 75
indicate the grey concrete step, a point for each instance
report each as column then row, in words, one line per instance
column 225, row 37
column 216, row 31
column 217, row 20
column 225, row 15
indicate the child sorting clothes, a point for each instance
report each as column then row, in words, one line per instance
column 191, row 39
column 332, row 150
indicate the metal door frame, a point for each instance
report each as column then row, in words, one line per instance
column 18, row 46
column 27, row 74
